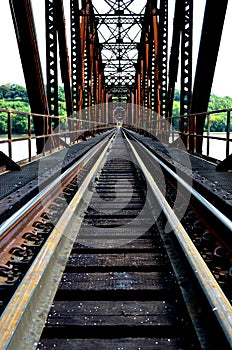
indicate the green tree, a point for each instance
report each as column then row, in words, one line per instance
column 217, row 123
column 3, row 123
column 14, row 97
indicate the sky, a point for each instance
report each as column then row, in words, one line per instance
column 11, row 69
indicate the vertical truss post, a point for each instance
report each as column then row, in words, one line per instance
column 55, row 27
column 186, row 68
column 182, row 29
column 89, row 72
column 142, row 101
column 186, row 58
column 207, row 57
column 28, row 49
column 138, row 94
column 174, row 57
column 83, row 55
column 156, row 67
column 76, row 56
column 163, row 55
column 64, row 63
column 51, row 58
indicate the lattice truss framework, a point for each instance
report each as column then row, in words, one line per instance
column 119, row 28
column 119, row 49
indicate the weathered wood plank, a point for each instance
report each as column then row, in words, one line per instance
column 118, row 344
column 116, row 281
column 137, row 245
column 116, row 313
column 124, row 260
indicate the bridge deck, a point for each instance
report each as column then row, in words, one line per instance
column 18, row 187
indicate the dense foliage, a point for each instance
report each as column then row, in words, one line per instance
column 14, row 97
column 217, row 120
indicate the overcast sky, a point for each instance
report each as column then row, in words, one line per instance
column 11, row 69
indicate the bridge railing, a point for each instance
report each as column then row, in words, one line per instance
column 21, row 146
column 216, row 137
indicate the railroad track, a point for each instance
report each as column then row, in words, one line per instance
column 126, row 282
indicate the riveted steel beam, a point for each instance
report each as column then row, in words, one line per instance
column 207, row 57
column 186, row 57
column 51, row 58
column 22, row 15
column 174, row 56
column 64, row 57
column 181, row 44
column 76, row 56
column 163, row 54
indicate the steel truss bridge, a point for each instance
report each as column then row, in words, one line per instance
column 120, row 59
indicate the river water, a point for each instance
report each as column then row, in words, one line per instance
column 217, row 148
column 20, row 148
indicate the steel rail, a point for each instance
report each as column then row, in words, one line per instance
column 23, row 307
column 219, row 215
column 217, row 299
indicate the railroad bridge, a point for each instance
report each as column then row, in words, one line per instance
column 116, row 232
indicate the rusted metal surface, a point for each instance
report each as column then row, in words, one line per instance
column 51, row 58
column 18, row 187
column 24, row 233
column 76, row 56
column 64, row 56
column 209, row 45
column 28, row 48
column 120, row 66
column 218, row 301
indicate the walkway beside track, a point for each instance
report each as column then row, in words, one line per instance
column 18, row 187
column 215, row 186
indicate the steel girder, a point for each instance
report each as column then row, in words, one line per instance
column 27, row 43
column 55, row 28
column 76, row 56
column 92, row 82
column 207, row 57
column 51, row 58
column 146, row 78
column 186, row 57
column 181, row 42
column 151, row 73
column 163, row 55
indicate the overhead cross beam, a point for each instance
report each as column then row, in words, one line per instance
column 119, row 29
